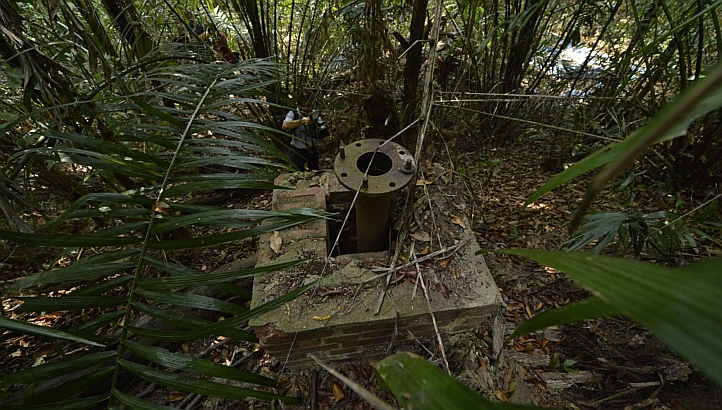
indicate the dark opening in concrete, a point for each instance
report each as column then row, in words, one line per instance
column 347, row 241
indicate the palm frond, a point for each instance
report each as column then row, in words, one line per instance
column 189, row 135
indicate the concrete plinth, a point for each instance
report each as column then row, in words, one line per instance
column 336, row 321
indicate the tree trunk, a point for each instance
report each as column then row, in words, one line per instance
column 125, row 16
column 413, row 66
column 256, row 24
column 520, row 49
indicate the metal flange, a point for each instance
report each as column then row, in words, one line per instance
column 390, row 165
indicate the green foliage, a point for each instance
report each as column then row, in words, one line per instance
column 418, row 384
column 681, row 306
column 671, row 122
column 78, row 100
column 688, row 320
column 590, row 308
column 644, row 232
column 196, row 141
column 567, row 366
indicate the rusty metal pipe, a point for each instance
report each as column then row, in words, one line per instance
column 390, row 168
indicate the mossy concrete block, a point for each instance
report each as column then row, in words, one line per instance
column 336, row 320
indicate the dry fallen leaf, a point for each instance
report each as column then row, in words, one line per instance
column 501, row 396
column 326, row 291
column 425, row 251
column 445, row 262
column 174, row 397
column 538, row 382
column 404, row 257
column 458, row 221
column 421, row 236
column 443, row 289
column 399, row 278
column 276, row 242
column 422, row 182
column 45, row 350
column 512, row 386
column 161, row 207
column 337, row 393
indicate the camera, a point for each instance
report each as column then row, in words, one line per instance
column 313, row 115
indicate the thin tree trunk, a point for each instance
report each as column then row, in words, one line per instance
column 413, row 65
column 125, row 16
column 520, row 49
column 612, row 85
column 467, row 54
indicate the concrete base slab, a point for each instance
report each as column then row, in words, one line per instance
column 336, row 320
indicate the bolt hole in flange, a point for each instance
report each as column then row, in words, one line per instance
column 392, row 184
column 381, row 163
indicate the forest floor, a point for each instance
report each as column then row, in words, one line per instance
column 610, row 363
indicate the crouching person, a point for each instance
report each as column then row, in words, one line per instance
column 306, row 126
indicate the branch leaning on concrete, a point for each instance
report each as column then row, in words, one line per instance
column 433, row 318
column 387, row 272
column 426, row 105
column 360, row 390
column 450, row 249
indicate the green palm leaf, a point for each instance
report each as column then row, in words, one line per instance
column 77, row 404
column 51, row 304
column 590, row 308
column 191, row 385
column 104, row 264
column 41, row 331
column 198, row 366
column 72, row 241
column 214, row 329
column 137, row 404
column 191, row 322
column 230, row 218
column 99, row 321
column 191, row 300
column 680, row 306
column 105, row 147
column 159, row 154
column 102, row 287
column 71, row 388
column 672, row 121
column 231, row 236
column 73, row 273
column 212, row 183
column 418, row 384
column 103, row 199
column 194, row 277
column 55, row 369
column 209, row 279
